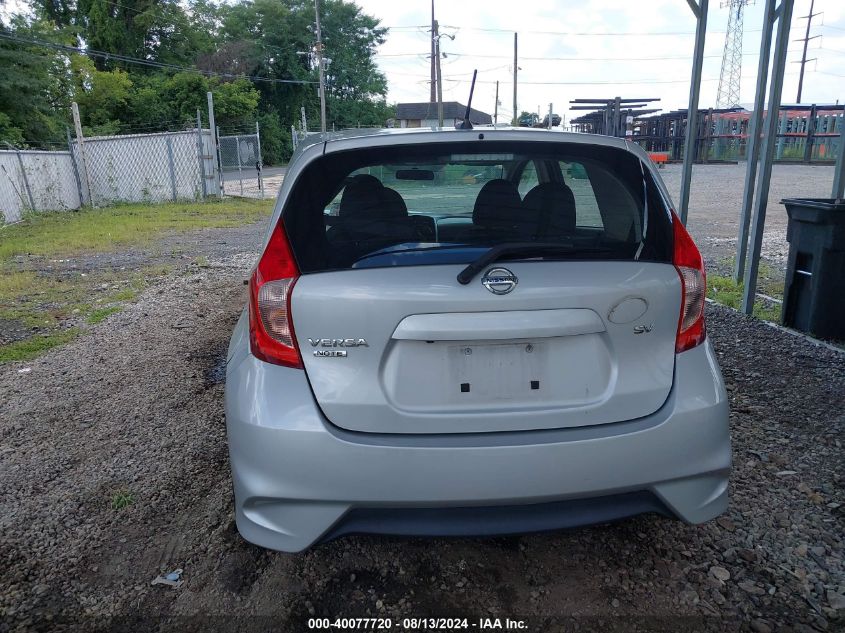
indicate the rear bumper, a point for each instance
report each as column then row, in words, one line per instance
column 495, row 520
column 299, row 479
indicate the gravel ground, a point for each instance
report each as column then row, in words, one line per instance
column 135, row 407
column 716, row 201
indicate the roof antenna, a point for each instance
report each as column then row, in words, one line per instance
column 466, row 124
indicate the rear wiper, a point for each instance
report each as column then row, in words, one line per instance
column 524, row 248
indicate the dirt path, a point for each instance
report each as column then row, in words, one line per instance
column 136, row 406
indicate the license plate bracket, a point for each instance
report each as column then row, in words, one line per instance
column 497, row 371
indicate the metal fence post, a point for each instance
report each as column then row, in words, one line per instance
column 220, row 165
column 767, row 151
column 212, row 126
column 240, row 170
column 692, row 131
column 811, row 133
column 839, row 173
column 25, row 178
column 260, row 163
column 200, row 155
column 171, row 167
column 752, row 146
column 75, row 168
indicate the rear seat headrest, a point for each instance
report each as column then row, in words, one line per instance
column 498, row 205
column 552, row 206
column 366, row 197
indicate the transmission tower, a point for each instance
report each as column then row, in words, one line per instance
column 729, row 78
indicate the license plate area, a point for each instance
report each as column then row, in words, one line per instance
column 498, row 371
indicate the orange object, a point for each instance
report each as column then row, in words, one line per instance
column 659, row 158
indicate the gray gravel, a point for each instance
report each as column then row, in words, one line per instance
column 716, row 202
column 135, row 405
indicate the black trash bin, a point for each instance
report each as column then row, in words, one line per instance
column 814, row 294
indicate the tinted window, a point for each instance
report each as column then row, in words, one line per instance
column 446, row 203
column 528, row 179
column 586, row 206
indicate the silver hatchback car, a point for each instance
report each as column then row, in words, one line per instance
column 472, row 332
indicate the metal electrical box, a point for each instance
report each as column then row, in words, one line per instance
column 814, row 294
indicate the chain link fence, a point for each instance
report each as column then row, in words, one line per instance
column 159, row 167
column 240, row 164
column 180, row 164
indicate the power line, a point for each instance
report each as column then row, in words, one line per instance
column 611, row 82
column 567, row 59
column 146, row 62
column 580, row 33
column 594, row 82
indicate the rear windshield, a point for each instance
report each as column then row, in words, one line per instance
column 447, row 203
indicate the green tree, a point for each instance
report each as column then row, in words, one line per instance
column 235, row 102
column 270, row 39
column 9, row 133
column 33, row 90
column 102, row 95
column 356, row 89
column 275, row 139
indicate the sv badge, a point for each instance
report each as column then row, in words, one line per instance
column 643, row 329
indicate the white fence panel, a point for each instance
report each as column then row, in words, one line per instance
column 48, row 177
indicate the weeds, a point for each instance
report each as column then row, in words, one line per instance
column 121, row 499
column 100, row 314
column 35, row 346
column 728, row 292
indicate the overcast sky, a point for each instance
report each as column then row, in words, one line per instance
column 589, row 30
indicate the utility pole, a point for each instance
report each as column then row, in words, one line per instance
column 322, row 70
column 515, row 70
column 496, row 106
column 806, row 40
column 433, row 96
column 549, row 126
column 439, row 76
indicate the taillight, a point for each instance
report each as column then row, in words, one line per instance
column 690, row 267
column 271, row 336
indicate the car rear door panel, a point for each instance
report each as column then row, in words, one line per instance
column 421, row 353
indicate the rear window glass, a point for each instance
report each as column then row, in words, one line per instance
column 447, row 203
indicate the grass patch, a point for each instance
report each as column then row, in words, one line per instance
column 66, row 233
column 100, row 314
column 14, row 283
column 728, row 292
column 121, row 499
column 45, row 303
column 35, row 346
column 55, row 300
column 127, row 294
